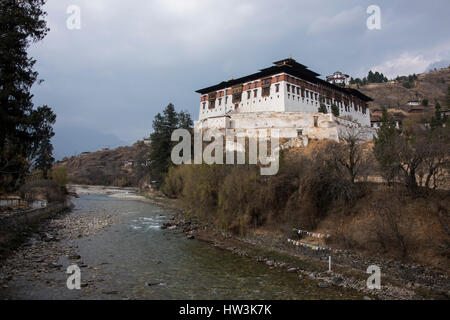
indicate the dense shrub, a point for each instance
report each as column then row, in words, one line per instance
column 235, row 198
column 59, row 176
column 43, row 189
column 240, row 202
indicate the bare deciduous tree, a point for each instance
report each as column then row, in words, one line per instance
column 350, row 154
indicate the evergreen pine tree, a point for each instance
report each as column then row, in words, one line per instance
column 437, row 121
column 335, row 110
column 385, row 141
column 44, row 160
column 161, row 145
column 21, row 126
column 323, row 108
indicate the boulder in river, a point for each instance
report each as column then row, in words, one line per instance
column 166, row 225
column 151, row 284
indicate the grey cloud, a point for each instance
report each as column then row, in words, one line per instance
column 131, row 58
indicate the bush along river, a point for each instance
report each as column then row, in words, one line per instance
column 123, row 253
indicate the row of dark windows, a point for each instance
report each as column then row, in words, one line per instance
column 237, row 97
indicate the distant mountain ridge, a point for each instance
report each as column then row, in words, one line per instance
column 74, row 140
column 122, row 166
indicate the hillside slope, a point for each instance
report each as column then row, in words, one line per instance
column 123, row 166
column 393, row 95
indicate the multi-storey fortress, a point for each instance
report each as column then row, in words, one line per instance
column 285, row 96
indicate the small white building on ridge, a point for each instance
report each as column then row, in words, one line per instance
column 285, row 96
column 338, row 78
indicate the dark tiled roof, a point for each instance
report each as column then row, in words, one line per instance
column 288, row 66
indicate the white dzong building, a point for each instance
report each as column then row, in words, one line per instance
column 285, row 96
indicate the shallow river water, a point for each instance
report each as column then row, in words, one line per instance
column 135, row 259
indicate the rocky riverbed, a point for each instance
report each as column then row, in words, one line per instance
column 50, row 247
column 125, row 249
column 124, row 234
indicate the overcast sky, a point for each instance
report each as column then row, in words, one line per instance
column 107, row 80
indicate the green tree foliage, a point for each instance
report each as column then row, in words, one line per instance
column 425, row 102
column 407, row 85
column 44, row 153
column 323, row 108
column 161, row 145
column 184, row 120
column 24, row 130
column 372, row 77
column 437, row 121
column 387, row 136
column 407, row 82
column 376, row 77
column 417, row 156
column 44, row 160
column 335, row 110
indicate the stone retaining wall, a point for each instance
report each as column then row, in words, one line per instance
column 14, row 223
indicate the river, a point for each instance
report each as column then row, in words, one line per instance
column 135, row 259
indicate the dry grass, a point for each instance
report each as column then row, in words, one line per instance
column 391, row 223
column 432, row 86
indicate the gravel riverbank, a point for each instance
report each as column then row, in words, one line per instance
column 51, row 247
